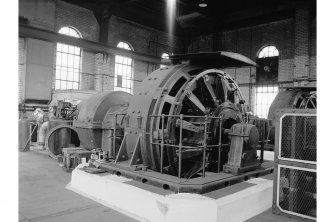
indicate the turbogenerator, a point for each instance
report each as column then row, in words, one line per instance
column 184, row 128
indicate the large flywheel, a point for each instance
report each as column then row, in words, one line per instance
column 173, row 108
column 199, row 95
column 211, row 93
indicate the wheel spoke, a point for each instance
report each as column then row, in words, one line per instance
column 314, row 106
column 188, row 126
column 210, row 89
column 169, row 99
column 194, row 99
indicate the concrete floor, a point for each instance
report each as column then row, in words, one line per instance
column 43, row 197
column 268, row 216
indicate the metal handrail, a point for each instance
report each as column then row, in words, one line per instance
column 112, row 151
column 180, row 146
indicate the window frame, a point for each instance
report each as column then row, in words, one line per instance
column 265, row 92
column 164, row 56
column 126, row 66
column 262, row 100
column 265, row 52
column 63, row 68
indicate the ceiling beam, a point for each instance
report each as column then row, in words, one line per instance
column 95, row 47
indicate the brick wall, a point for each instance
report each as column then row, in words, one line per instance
column 312, row 62
column 21, row 68
column 201, row 44
column 97, row 75
column 40, row 13
column 80, row 18
column 302, row 43
column 142, row 39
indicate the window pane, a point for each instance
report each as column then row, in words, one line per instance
column 121, row 58
column 272, row 48
column 72, row 32
column 124, row 70
column 76, row 76
column 59, row 46
column 70, row 76
column 129, row 72
column 70, row 69
column 69, row 85
column 264, row 98
column 57, row 74
column 128, row 84
column 70, row 60
column 71, row 49
column 63, row 75
column 268, row 51
column 58, row 58
column 76, row 62
column 276, row 53
column 75, row 85
column 62, row 84
column 64, row 59
column 57, row 85
column 117, row 68
column 76, row 50
column 65, row 48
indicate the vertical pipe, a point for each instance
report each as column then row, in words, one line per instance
column 205, row 146
column 114, row 135
column 180, row 145
column 162, row 143
column 262, row 143
column 220, row 145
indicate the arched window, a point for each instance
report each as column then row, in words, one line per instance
column 266, row 79
column 68, row 59
column 268, row 51
column 123, row 80
column 164, row 56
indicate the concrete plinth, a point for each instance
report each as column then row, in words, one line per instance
column 147, row 203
